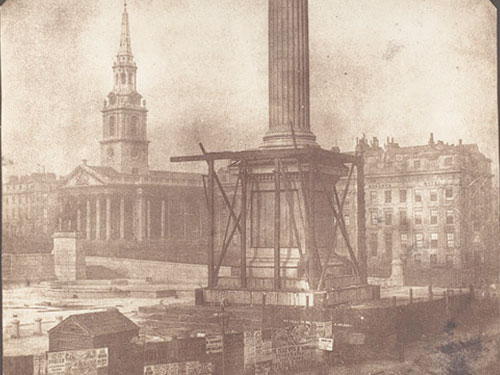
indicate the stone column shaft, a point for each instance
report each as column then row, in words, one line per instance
column 288, row 74
column 162, row 218
column 148, row 218
column 140, row 217
column 108, row 218
column 122, row 218
column 97, row 219
column 89, row 221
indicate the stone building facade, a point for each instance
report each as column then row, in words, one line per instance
column 427, row 206
column 29, row 207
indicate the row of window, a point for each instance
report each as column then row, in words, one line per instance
column 433, row 259
column 12, row 199
column 417, row 195
column 405, row 243
column 375, row 219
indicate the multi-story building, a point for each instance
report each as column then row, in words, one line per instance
column 29, row 210
column 427, row 207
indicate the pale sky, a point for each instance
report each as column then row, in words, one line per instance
column 398, row 68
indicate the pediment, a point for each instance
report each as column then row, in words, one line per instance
column 82, row 177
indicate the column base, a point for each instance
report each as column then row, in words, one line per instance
column 286, row 140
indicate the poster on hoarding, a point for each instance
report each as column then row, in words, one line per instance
column 325, row 343
column 77, row 362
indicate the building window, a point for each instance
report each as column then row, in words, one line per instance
column 404, row 239
column 434, row 240
column 374, row 217
column 133, row 126
column 418, row 217
column 419, row 240
column 135, row 170
column 434, row 217
column 402, row 217
column 388, row 218
column 434, row 195
column 111, row 126
column 450, row 240
column 449, row 193
column 388, row 243
column 449, row 260
column 418, row 195
column 416, row 164
column 450, row 219
column 373, row 197
column 373, row 244
column 402, row 196
column 388, row 196
column 433, row 260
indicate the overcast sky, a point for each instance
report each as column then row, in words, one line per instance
column 398, row 68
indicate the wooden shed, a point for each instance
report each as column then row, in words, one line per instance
column 105, row 329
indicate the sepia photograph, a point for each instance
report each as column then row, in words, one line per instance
column 250, row 187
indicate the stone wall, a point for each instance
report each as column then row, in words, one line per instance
column 178, row 273
column 27, row 267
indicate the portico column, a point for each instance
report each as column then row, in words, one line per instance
column 162, row 218
column 78, row 219
column 108, row 218
column 140, row 216
column 148, row 219
column 97, row 219
column 122, row 218
column 89, row 228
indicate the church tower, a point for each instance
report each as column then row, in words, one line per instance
column 124, row 145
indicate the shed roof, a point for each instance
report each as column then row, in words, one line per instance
column 100, row 323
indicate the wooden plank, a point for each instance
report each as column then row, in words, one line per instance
column 243, row 231
column 211, row 224
column 324, row 156
column 289, row 199
column 361, row 221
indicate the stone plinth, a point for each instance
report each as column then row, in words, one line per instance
column 397, row 276
column 69, row 256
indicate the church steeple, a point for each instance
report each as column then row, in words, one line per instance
column 125, row 47
column 124, row 145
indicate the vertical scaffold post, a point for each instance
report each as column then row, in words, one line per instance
column 211, row 223
column 362, row 258
column 243, row 232
column 277, row 224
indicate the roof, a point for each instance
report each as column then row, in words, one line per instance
column 106, row 171
column 101, row 323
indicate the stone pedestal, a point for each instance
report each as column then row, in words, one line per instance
column 69, row 256
column 397, row 277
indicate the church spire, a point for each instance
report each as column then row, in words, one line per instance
column 125, row 47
